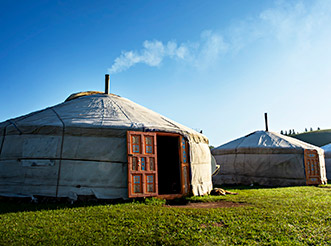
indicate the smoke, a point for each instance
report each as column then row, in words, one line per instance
column 153, row 53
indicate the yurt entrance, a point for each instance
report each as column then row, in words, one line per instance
column 312, row 167
column 168, row 165
column 158, row 164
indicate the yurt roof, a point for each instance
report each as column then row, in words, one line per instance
column 263, row 141
column 97, row 110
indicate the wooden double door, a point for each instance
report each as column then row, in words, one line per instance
column 312, row 167
column 143, row 163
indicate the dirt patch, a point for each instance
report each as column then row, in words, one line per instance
column 219, row 204
column 325, row 187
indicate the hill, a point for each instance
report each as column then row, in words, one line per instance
column 318, row 138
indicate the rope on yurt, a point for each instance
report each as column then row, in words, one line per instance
column 61, row 150
column 3, row 139
column 236, row 153
column 4, row 133
column 170, row 122
column 123, row 111
column 16, row 127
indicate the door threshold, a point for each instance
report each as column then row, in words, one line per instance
column 170, row 196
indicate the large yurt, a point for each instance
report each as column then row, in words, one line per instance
column 327, row 155
column 270, row 159
column 102, row 145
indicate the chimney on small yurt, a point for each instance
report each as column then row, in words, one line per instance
column 266, row 121
column 107, row 81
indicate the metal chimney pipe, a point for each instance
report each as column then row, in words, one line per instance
column 107, row 80
column 266, row 121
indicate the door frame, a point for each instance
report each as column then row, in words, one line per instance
column 184, row 164
column 312, row 167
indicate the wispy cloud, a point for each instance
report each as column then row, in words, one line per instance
column 199, row 53
column 212, row 46
column 302, row 29
column 302, row 26
column 298, row 22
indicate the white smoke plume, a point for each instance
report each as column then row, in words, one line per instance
column 154, row 52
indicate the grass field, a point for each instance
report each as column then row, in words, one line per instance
column 274, row 216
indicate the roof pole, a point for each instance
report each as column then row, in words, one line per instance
column 107, row 80
column 266, row 121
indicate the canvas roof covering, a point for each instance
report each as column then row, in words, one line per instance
column 97, row 111
column 72, row 130
column 327, row 154
column 264, row 142
column 267, row 158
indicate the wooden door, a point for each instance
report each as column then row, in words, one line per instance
column 312, row 168
column 142, row 164
column 184, row 167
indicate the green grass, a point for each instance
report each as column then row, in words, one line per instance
column 274, row 216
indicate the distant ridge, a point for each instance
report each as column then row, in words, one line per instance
column 318, row 138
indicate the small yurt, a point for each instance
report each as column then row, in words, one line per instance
column 102, row 145
column 271, row 159
column 327, row 155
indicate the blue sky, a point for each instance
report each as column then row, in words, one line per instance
column 215, row 66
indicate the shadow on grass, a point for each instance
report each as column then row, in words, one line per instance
column 326, row 186
column 244, row 187
column 253, row 187
column 178, row 201
column 14, row 205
